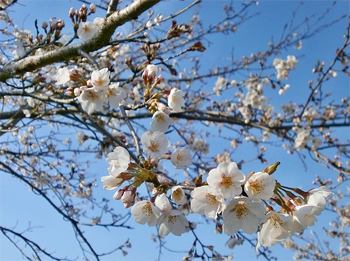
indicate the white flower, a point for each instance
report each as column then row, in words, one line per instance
column 274, row 229
column 175, row 222
column 302, row 138
column 115, row 95
column 87, row 30
column 303, row 217
column 163, row 204
column 227, row 178
column 145, row 212
column 232, row 242
column 208, row 201
column 80, row 137
column 317, row 197
column 240, row 213
column 315, row 143
column 98, row 21
column 100, row 79
column 176, row 100
column 110, row 182
column 178, row 195
column 155, row 144
column 119, row 160
column 160, row 122
column 62, row 75
column 91, row 100
column 181, row 158
column 260, row 186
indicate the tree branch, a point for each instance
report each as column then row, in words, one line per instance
column 66, row 53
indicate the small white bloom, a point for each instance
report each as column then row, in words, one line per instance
column 181, row 158
column 80, row 137
column 100, row 79
column 115, row 95
column 110, row 182
column 260, row 186
column 163, row 204
column 145, row 212
column 317, row 197
column 240, row 213
column 208, row 201
column 91, row 100
column 175, row 222
column 62, row 75
column 119, row 160
column 176, row 100
column 274, row 229
column 98, row 21
column 178, row 195
column 303, row 217
column 232, row 242
column 160, row 122
column 155, row 144
column 87, row 30
column 227, row 178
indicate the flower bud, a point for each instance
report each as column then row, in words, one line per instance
column 272, row 168
column 44, row 25
column 92, row 8
column 71, row 13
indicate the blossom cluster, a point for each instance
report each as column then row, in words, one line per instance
column 97, row 92
column 241, row 202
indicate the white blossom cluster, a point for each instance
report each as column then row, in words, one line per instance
column 229, row 193
column 98, row 91
column 284, row 66
column 303, row 137
column 242, row 202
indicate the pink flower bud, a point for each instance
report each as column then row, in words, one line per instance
column 128, row 198
column 92, row 8
column 149, row 74
column 118, row 195
column 71, row 12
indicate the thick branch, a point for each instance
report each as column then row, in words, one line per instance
column 102, row 39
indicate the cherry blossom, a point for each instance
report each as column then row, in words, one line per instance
column 91, row 100
column 163, row 204
column 160, row 121
column 304, row 217
column 240, row 213
column 87, row 30
column 227, row 178
column 317, row 197
column 115, row 95
column 274, row 229
column 174, row 222
column 259, row 186
column 302, row 137
column 176, row 100
column 178, row 195
column 110, row 182
column 155, row 144
column 100, row 79
column 208, row 201
column 181, row 158
column 145, row 212
column 62, row 75
column 118, row 160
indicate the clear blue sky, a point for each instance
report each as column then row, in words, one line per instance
column 19, row 206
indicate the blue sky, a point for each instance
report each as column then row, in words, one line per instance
column 19, row 206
